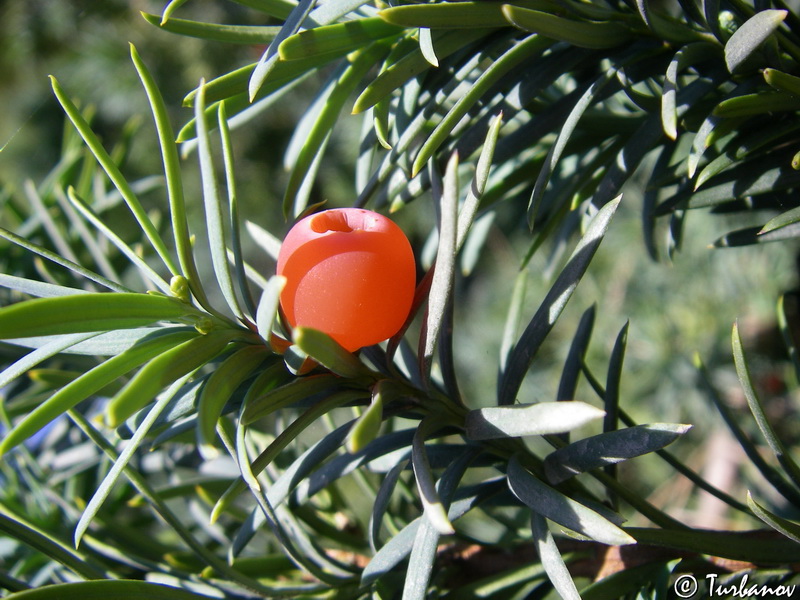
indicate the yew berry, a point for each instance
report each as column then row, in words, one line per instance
column 350, row 273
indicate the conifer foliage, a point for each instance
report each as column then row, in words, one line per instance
column 167, row 433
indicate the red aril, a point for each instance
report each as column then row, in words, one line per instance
column 350, row 273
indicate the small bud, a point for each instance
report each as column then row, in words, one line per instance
column 179, row 287
column 204, row 325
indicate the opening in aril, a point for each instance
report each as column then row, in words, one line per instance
column 330, row 221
